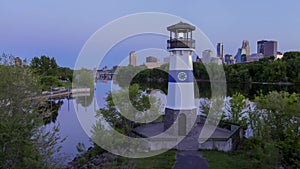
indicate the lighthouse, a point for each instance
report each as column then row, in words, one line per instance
column 180, row 109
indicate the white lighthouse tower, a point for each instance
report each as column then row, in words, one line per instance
column 180, row 108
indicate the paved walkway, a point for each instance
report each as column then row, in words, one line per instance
column 190, row 160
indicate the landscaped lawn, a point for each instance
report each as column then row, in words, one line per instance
column 162, row 161
column 222, row 160
column 215, row 159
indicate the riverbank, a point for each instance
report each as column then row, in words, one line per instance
column 167, row 160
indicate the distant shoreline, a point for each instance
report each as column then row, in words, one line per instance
column 262, row 83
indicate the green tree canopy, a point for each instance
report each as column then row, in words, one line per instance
column 23, row 141
column 275, row 123
column 44, row 65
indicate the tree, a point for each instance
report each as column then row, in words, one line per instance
column 47, row 81
column 144, row 108
column 275, row 122
column 118, row 118
column 44, row 65
column 293, row 70
column 84, row 78
column 126, row 74
column 65, row 73
column 237, row 110
column 7, row 59
column 23, row 141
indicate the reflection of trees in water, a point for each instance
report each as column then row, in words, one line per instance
column 84, row 78
column 50, row 110
column 86, row 101
column 247, row 89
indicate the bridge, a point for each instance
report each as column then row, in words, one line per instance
column 105, row 74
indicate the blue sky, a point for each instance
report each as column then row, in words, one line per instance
column 60, row 28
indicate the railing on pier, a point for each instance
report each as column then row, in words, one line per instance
column 69, row 93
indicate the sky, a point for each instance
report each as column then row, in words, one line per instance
column 60, row 29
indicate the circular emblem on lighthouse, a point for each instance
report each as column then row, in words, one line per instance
column 182, row 76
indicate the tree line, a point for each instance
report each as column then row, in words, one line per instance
column 50, row 73
column 44, row 67
column 284, row 70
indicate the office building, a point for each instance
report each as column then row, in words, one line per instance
column 256, row 56
column 220, row 51
column 151, row 59
column 152, row 62
column 229, row 59
column 207, row 55
column 241, row 56
column 267, row 48
column 246, row 46
column 132, row 58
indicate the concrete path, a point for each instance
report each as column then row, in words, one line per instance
column 190, row 160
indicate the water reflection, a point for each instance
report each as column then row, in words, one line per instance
column 246, row 89
column 50, row 110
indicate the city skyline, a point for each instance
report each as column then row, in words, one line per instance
column 59, row 29
column 243, row 54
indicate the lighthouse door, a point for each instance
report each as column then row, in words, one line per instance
column 182, row 125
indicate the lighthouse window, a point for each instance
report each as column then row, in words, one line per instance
column 181, row 35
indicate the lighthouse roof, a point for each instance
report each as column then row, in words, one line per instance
column 181, row 25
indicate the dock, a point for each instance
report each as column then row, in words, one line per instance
column 70, row 93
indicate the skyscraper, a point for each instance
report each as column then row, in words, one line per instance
column 229, row 59
column 270, row 49
column 260, row 46
column 241, row 55
column 220, row 51
column 132, row 58
column 267, row 48
column 246, row 46
column 207, row 55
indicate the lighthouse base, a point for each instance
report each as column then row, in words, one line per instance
column 182, row 123
column 179, row 122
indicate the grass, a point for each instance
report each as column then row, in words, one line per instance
column 221, row 160
column 215, row 159
column 162, row 161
